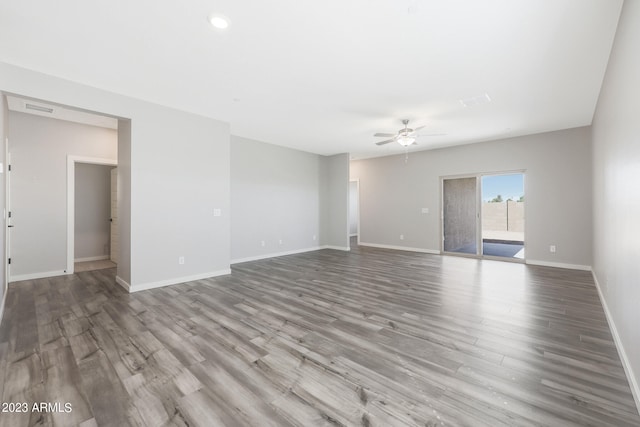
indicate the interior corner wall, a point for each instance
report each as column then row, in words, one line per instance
column 616, row 193
column 179, row 173
column 92, row 211
column 334, row 201
column 39, row 147
column 557, row 192
column 275, row 200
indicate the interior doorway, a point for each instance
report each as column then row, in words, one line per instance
column 483, row 216
column 93, row 214
column 89, row 213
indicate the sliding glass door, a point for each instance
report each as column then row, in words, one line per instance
column 483, row 215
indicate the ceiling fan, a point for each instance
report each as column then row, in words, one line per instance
column 405, row 136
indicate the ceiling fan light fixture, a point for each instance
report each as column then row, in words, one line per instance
column 220, row 22
column 406, row 140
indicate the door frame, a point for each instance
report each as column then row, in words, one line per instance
column 479, row 252
column 71, row 200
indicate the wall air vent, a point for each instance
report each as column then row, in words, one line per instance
column 38, row 108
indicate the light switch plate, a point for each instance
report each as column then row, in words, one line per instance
column 217, row 212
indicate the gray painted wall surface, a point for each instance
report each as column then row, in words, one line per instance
column 124, row 200
column 616, row 189
column 557, row 190
column 334, row 201
column 92, row 210
column 275, row 196
column 179, row 172
column 4, row 120
column 39, row 147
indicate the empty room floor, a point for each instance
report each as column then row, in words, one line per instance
column 368, row 338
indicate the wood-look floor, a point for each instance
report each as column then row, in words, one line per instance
column 367, row 338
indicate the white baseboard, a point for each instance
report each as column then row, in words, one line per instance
column 628, row 370
column 92, row 258
column 337, row 248
column 558, row 265
column 401, row 248
column 120, row 281
column 275, row 254
column 175, row 281
column 33, row 276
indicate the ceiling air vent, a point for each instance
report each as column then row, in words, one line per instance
column 476, row 100
column 38, row 108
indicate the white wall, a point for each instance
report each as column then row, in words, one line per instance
column 334, row 201
column 275, row 196
column 177, row 174
column 4, row 120
column 92, row 211
column 616, row 191
column 558, row 175
column 39, row 147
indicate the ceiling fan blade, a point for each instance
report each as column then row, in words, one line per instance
column 385, row 142
column 418, row 128
column 388, row 135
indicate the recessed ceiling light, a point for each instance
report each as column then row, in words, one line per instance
column 218, row 21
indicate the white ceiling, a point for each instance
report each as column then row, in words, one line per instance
column 324, row 76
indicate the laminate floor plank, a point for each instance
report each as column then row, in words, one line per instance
column 367, row 338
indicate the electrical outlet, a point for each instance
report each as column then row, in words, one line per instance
column 314, row 237
column 402, row 237
column 181, row 260
column 217, row 212
column 425, row 210
column 552, row 249
column 280, row 241
column 263, row 244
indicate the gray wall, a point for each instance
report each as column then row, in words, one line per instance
column 124, row 200
column 39, row 147
column 179, row 172
column 558, row 174
column 616, row 189
column 275, row 196
column 334, row 201
column 92, row 211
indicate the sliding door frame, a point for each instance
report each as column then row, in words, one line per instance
column 479, row 249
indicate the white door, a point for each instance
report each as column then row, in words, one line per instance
column 114, row 215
